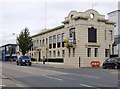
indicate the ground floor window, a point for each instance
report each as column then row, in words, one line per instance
column 50, row 53
column 96, row 52
column 30, row 54
column 89, row 52
column 73, row 52
column 54, row 53
column 106, row 52
column 63, row 53
column 58, row 53
column 69, row 52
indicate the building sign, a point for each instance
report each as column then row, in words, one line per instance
column 70, row 41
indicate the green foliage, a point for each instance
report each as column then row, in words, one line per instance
column 24, row 41
column 33, row 59
column 54, row 60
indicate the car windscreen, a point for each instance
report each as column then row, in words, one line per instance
column 25, row 57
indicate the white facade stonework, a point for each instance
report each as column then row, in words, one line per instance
column 115, row 16
column 79, row 28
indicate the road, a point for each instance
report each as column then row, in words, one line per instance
column 38, row 76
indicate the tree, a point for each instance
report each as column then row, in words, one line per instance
column 24, row 41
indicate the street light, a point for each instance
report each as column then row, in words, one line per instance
column 15, row 36
column 17, row 47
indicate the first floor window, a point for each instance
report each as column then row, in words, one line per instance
column 46, row 41
column 50, row 42
column 54, row 41
column 105, row 35
column 89, row 52
column 50, row 46
column 43, row 43
column 54, row 45
column 40, row 42
column 110, row 34
column 58, row 45
column 63, row 38
column 92, row 35
column 58, row 40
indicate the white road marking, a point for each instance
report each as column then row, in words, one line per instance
column 26, row 69
column 85, row 75
column 85, row 85
column 53, row 77
column 55, row 71
column 19, row 85
column 90, row 76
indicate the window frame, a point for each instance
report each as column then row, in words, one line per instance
column 89, row 52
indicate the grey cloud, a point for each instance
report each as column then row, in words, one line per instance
column 17, row 15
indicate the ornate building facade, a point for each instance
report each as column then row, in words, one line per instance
column 83, row 37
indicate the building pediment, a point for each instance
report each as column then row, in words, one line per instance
column 90, row 14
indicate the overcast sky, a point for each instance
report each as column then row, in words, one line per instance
column 36, row 15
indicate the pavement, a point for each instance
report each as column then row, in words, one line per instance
column 51, row 64
column 58, row 65
column 8, row 82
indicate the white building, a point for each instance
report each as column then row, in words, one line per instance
column 115, row 16
column 85, row 35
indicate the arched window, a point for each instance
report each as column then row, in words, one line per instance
column 92, row 35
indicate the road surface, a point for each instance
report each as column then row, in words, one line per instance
column 38, row 76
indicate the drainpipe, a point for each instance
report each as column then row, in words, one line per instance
column 79, row 62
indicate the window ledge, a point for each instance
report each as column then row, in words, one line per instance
column 92, row 45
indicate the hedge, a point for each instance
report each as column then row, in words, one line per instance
column 33, row 59
column 50, row 60
column 54, row 60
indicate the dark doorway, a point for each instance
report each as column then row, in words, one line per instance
column 39, row 56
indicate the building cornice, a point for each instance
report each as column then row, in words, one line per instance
column 113, row 11
column 106, row 21
column 48, row 30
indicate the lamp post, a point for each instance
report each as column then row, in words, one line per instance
column 15, row 36
column 17, row 47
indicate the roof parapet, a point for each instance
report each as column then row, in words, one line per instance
column 48, row 30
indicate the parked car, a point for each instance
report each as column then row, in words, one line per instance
column 24, row 60
column 112, row 63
